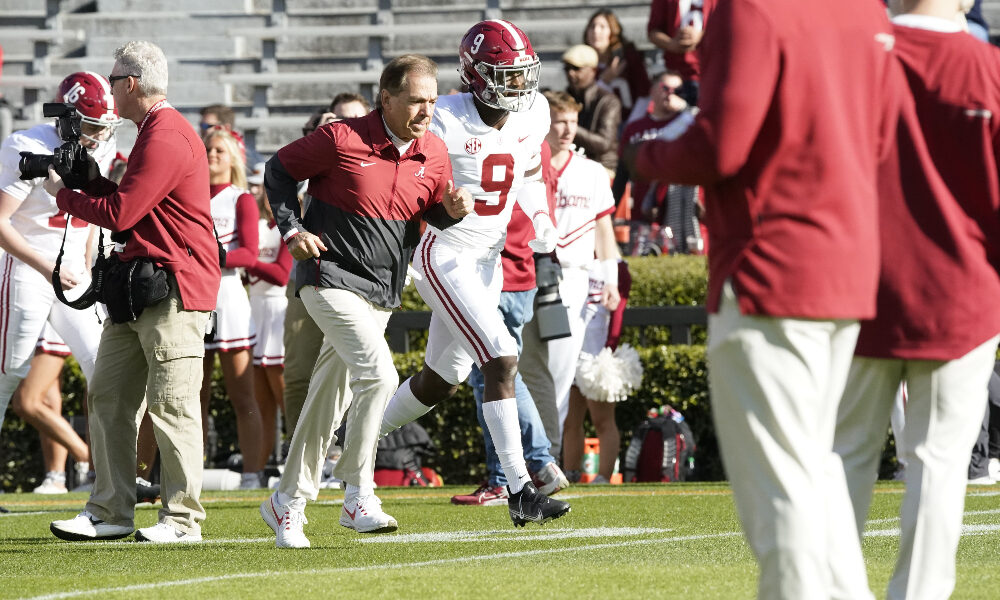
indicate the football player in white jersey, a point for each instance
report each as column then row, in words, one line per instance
column 589, row 286
column 494, row 134
column 31, row 233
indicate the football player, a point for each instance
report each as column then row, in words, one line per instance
column 32, row 229
column 494, row 133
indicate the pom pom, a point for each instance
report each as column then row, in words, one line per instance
column 609, row 376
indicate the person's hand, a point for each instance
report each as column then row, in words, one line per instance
column 457, row 203
column 546, row 235
column 305, row 245
column 54, row 183
column 67, row 279
column 688, row 37
column 84, row 168
column 610, row 298
column 614, row 69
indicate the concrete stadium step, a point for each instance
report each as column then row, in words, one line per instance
column 125, row 26
column 182, row 47
column 154, row 6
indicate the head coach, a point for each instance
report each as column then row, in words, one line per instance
column 160, row 288
column 371, row 178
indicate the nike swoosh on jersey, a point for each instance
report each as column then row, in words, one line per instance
column 364, row 164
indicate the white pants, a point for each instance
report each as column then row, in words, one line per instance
column 775, row 385
column 353, row 346
column 27, row 303
column 462, row 287
column 944, row 411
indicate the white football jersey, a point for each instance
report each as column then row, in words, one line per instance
column 583, row 195
column 38, row 219
column 490, row 163
column 224, row 216
column 269, row 242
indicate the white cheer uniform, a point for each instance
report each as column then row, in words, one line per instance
column 27, row 300
column 234, row 327
column 268, row 303
column 583, row 196
column 462, row 278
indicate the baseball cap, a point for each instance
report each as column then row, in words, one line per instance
column 256, row 176
column 580, row 55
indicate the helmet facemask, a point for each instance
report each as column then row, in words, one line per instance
column 511, row 87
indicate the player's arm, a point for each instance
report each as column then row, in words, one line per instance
column 534, row 202
column 656, row 29
column 741, row 71
column 14, row 244
column 607, row 255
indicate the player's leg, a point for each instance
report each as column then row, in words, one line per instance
column 25, row 303
column 943, row 413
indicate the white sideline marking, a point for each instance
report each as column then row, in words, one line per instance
column 28, row 514
column 564, row 533
column 425, row 563
column 966, row 530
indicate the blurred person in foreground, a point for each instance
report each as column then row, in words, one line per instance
column 938, row 323
column 153, row 345
column 372, row 179
column 789, row 167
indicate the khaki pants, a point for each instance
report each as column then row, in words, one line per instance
column 302, row 342
column 533, row 365
column 353, row 343
column 944, row 411
column 159, row 357
column 775, row 385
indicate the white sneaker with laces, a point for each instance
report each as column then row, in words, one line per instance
column 85, row 526
column 550, row 479
column 54, row 483
column 164, row 533
column 286, row 520
column 364, row 514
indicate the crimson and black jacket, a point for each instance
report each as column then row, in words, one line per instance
column 367, row 203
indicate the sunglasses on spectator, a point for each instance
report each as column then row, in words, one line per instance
column 568, row 67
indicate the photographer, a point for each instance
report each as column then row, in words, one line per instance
column 167, row 271
column 31, row 232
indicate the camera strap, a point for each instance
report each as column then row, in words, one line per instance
column 93, row 293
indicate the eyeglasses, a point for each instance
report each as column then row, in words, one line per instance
column 113, row 78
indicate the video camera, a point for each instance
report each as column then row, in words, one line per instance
column 65, row 157
column 553, row 318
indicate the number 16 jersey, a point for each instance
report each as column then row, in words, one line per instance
column 488, row 162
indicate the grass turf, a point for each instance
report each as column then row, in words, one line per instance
column 634, row 541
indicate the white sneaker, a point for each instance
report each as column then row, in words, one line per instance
column 984, row 480
column 286, row 520
column 550, row 479
column 364, row 514
column 54, row 483
column 164, row 533
column 85, row 526
column 994, row 468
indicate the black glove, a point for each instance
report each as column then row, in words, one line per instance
column 76, row 166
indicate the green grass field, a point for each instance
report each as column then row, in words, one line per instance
column 634, row 541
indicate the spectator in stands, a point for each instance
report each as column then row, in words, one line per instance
column 235, row 215
column 268, row 277
column 373, row 178
column 789, row 167
column 676, row 27
column 601, row 114
column 621, row 68
column 671, row 207
column 216, row 115
column 157, row 355
column 303, row 338
column 589, row 286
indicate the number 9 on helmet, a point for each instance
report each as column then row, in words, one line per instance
column 499, row 65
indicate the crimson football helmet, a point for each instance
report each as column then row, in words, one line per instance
column 90, row 94
column 499, row 65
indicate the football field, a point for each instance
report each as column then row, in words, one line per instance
column 633, row 541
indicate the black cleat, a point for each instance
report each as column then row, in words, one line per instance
column 530, row 505
column 145, row 491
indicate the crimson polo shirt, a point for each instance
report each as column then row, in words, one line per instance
column 367, row 204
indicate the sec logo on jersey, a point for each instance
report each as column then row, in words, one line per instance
column 473, row 145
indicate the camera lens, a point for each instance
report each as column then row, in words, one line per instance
column 34, row 165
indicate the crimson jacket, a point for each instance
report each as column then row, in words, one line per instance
column 163, row 198
column 794, row 118
column 939, row 289
column 367, row 203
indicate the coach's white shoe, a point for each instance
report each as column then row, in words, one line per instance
column 85, row 526
column 364, row 514
column 164, row 533
column 286, row 520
